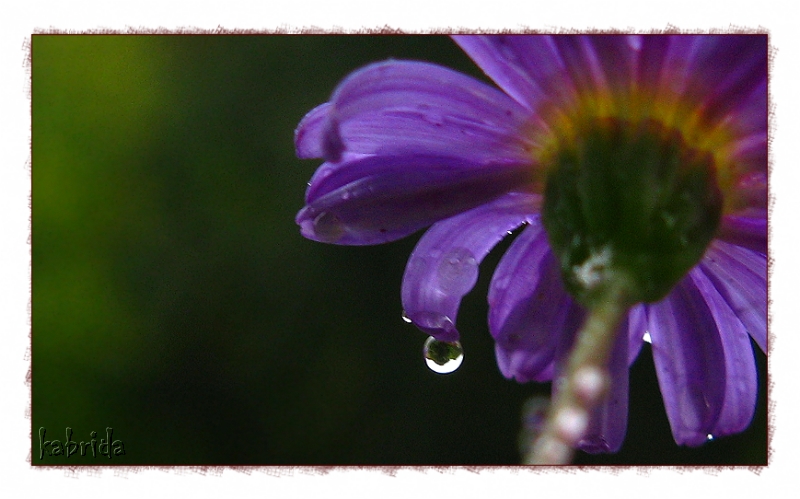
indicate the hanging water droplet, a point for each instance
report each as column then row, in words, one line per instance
column 441, row 356
column 646, row 337
column 405, row 317
column 709, row 437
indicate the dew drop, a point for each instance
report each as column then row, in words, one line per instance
column 709, row 437
column 328, row 227
column 646, row 337
column 503, row 283
column 457, row 271
column 441, row 356
column 405, row 317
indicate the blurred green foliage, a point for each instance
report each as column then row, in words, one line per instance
column 175, row 301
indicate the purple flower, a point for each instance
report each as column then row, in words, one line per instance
column 410, row 144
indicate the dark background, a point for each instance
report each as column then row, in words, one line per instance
column 175, row 301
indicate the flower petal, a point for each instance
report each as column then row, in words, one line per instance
column 311, row 135
column 444, row 265
column 742, row 68
column 405, row 107
column 741, row 385
column 747, row 230
column 372, row 200
column 609, row 421
column 637, row 328
column 690, row 362
column 740, row 277
column 529, row 310
column 529, row 68
column 751, row 188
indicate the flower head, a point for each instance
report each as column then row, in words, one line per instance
column 633, row 158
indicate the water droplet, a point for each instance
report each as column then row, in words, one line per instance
column 328, row 227
column 709, row 437
column 503, row 283
column 441, row 356
column 405, row 317
column 646, row 337
column 457, row 271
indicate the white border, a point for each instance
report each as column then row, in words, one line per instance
column 20, row 20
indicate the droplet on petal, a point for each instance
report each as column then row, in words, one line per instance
column 441, row 356
column 646, row 337
column 328, row 226
column 457, row 271
column 405, row 317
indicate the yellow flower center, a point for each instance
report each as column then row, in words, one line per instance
column 631, row 192
column 673, row 114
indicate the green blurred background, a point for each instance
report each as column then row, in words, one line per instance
column 175, row 301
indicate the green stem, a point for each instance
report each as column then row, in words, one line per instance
column 585, row 380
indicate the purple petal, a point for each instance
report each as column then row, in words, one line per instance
column 751, row 191
column 596, row 63
column 742, row 63
column 556, row 68
column 609, row 421
column 652, row 64
column 740, row 277
column 403, row 107
column 311, row 134
column 637, row 328
column 690, row 362
column 749, row 231
column 741, row 384
column 749, row 116
column 529, row 68
column 529, row 310
column 372, row 200
column 613, row 60
column 444, row 265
